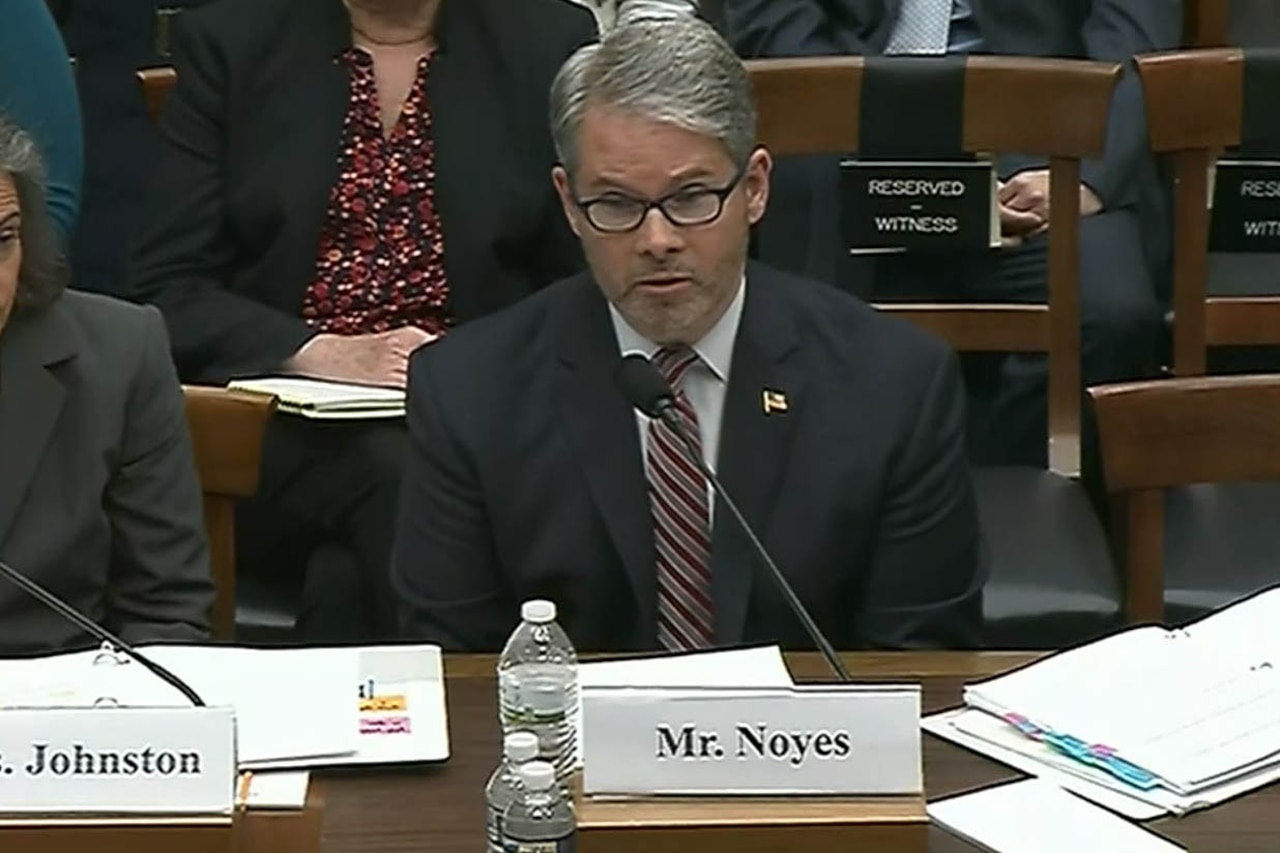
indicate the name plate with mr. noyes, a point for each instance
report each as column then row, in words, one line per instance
column 854, row 739
column 117, row 761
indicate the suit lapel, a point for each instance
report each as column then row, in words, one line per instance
column 602, row 426
column 755, row 443
column 31, row 400
column 316, row 100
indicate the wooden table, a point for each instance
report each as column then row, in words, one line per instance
column 441, row 809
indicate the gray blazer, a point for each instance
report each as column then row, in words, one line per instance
column 99, row 496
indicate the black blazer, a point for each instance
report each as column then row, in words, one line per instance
column 525, row 479
column 99, row 498
column 802, row 227
column 229, row 238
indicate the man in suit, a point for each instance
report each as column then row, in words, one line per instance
column 342, row 182
column 1123, row 234
column 99, row 498
column 838, row 430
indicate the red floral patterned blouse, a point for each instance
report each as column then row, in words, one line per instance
column 381, row 257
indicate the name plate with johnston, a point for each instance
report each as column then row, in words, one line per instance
column 117, row 761
column 839, row 740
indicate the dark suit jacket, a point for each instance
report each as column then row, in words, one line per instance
column 1106, row 30
column 228, row 242
column 99, row 498
column 111, row 40
column 525, row 479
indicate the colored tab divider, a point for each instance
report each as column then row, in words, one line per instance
column 1095, row 755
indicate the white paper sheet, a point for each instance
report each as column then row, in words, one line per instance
column 315, row 398
column 1036, row 816
column 286, row 789
column 400, row 699
column 289, row 703
column 756, row 667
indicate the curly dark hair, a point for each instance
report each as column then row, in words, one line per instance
column 44, row 273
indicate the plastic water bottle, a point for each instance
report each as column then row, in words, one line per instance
column 541, row 818
column 538, row 685
column 518, row 748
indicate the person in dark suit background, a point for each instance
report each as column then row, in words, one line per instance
column 111, row 40
column 1124, row 232
column 342, row 182
column 838, row 430
column 99, row 498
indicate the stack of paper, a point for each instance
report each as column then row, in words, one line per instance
column 1173, row 720
column 295, row 708
column 322, row 400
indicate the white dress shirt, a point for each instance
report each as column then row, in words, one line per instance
column 705, row 382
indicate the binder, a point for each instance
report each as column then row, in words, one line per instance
column 1183, row 710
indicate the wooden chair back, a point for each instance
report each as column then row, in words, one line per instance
column 227, row 429
column 156, row 84
column 811, row 106
column 1167, row 433
column 1195, row 110
column 1204, row 22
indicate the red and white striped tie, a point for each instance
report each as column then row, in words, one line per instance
column 681, row 519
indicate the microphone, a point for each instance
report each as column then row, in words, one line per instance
column 56, row 604
column 647, row 390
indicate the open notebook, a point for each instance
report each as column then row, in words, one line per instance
column 320, row 399
column 1179, row 709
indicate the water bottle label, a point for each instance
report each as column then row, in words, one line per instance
column 493, row 829
column 563, row 845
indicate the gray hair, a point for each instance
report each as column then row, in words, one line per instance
column 44, row 274
column 676, row 71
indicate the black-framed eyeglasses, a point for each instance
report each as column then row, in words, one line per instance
column 618, row 213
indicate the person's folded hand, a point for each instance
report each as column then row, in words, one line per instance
column 377, row 359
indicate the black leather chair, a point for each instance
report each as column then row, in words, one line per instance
column 1052, row 581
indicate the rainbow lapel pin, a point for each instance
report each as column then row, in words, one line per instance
column 774, row 402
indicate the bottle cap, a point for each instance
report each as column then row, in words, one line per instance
column 537, row 775
column 538, row 611
column 520, row 747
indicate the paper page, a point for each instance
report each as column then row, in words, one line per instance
column 347, row 414
column 64, row 680
column 1035, row 816
column 757, row 667
column 1182, row 710
column 289, row 703
column 400, row 700
column 1062, row 684
column 989, row 737
column 1199, row 729
column 1248, row 629
column 320, row 393
column 286, row 789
